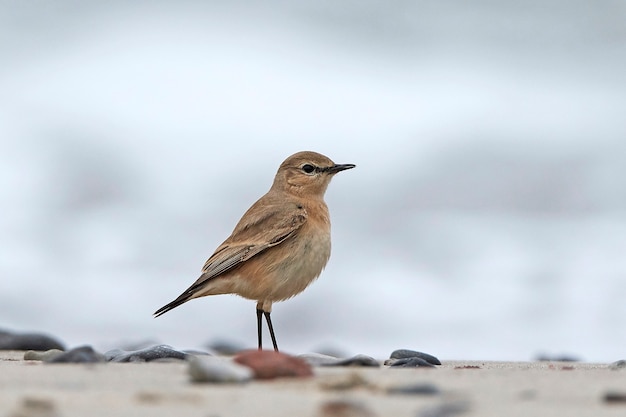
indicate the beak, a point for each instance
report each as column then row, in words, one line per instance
column 337, row 168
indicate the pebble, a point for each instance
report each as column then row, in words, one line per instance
column 148, row 354
column 211, row 369
column 614, row 397
column 357, row 360
column 415, row 389
column 267, row 364
column 406, row 353
column 344, row 408
column 36, row 407
column 617, row 365
column 446, row 409
column 557, row 358
column 225, row 347
column 28, row 341
column 34, row 355
column 81, row 354
column 409, row 363
column 318, row 359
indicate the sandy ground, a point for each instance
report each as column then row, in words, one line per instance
column 34, row 389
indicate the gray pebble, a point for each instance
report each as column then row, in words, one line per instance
column 557, row 358
column 615, row 397
column 34, row 355
column 409, row 363
column 319, row 359
column 82, row 354
column 356, row 360
column 196, row 352
column 148, row 354
column 211, row 369
column 415, row 389
column 225, row 347
column 446, row 409
column 406, row 353
column 28, row 341
column 618, row 365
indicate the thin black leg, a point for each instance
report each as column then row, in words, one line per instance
column 259, row 323
column 269, row 324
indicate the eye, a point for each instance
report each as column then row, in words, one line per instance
column 308, row 168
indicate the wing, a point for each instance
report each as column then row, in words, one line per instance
column 233, row 252
column 257, row 231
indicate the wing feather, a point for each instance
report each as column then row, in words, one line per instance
column 257, row 231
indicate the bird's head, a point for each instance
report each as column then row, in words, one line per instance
column 307, row 174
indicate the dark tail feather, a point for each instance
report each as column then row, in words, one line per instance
column 180, row 300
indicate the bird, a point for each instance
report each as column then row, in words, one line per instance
column 281, row 244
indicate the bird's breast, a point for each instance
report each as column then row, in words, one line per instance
column 306, row 256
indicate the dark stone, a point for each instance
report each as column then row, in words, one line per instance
column 406, row 353
column 409, row 363
column 148, row 354
column 28, row 341
column 557, row 358
column 415, row 389
column 446, row 409
column 226, row 348
column 614, row 397
column 621, row 364
column 82, row 354
column 356, row 360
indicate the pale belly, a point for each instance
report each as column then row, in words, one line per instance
column 279, row 275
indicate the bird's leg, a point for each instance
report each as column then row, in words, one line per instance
column 269, row 325
column 259, row 323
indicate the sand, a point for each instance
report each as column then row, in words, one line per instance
column 503, row 389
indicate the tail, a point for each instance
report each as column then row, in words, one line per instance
column 183, row 298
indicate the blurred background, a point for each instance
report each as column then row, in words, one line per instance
column 486, row 218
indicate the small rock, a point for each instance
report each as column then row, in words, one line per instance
column 35, row 407
column 409, row 363
column 406, row 353
column 446, row 409
column 225, row 347
column 415, row 389
column 28, row 341
column 268, row 364
column 148, row 354
column 195, row 352
column 344, row 408
column 82, row 354
column 33, row 355
column 621, row 364
column 557, row 358
column 211, row 369
column 318, row 359
column 357, row 360
column 614, row 397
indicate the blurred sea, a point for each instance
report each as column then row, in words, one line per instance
column 486, row 218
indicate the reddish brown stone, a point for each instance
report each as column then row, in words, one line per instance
column 268, row 364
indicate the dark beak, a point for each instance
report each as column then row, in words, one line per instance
column 336, row 168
